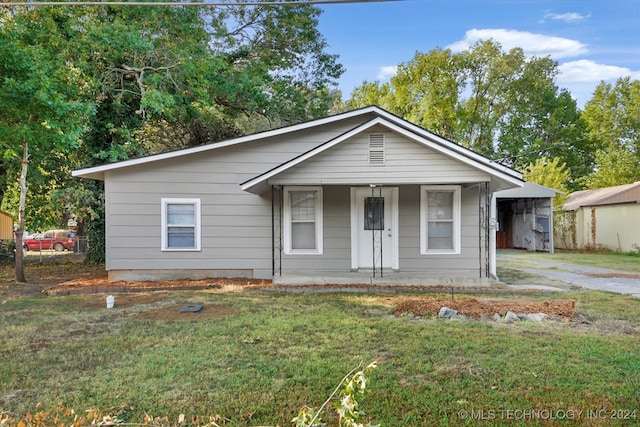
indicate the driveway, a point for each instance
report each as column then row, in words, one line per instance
column 561, row 276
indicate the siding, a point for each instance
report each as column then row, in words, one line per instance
column 236, row 225
column 337, row 237
column 406, row 162
column 614, row 227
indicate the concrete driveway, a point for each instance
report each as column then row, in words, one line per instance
column 561, row 276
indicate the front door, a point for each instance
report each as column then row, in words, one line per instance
column 374, row 228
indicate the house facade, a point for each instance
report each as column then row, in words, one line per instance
column 604, row 218
column 358, row 197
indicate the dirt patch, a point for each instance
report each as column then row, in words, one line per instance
column 101, row 284
column 475, row 308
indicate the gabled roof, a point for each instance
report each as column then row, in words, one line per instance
column 380, row 117
column 627, row 193
column 409, row 131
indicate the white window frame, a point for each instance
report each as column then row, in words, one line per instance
column 197, row 225
column 424, row 229
column 287, row 221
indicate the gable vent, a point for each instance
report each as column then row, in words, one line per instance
column 376, row 149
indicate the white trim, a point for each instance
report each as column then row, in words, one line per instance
column 385, row 118
column 288, row 250
column 395, row 231
column 97, row 172
column 164, row 246
column 466, row 157
column 457, row 216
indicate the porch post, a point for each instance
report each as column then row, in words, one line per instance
column 493, row 228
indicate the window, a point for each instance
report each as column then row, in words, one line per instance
column 440, row 219
column 303, row 220
column 180, row 224
column 374, row 213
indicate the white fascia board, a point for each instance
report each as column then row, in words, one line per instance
column 248, row 185
column 457, row 152
column 97, row 172
column 448, row 145
column 441, row 145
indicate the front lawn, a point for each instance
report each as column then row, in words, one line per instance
column 257, row 357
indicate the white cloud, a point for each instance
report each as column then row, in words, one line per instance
column 566, row 17
column 387, row 72
column 584, row 70
column 533, row 44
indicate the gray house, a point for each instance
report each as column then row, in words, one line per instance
column 359, row 197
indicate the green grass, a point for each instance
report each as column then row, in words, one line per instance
column 629, row 261
column 272, row 353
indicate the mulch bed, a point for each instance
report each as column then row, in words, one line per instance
column 475, row 308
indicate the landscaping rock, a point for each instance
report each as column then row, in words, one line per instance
column 447, row 312
column 511, row 317
column 535, row 317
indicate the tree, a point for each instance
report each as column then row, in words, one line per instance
column 612, row 120
column 40, row 110
column 164, row 78
column 500, row 104
column 550, row 173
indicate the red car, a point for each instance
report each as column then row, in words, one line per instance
column 58, row 240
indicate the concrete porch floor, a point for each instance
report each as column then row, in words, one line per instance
column 388, row 278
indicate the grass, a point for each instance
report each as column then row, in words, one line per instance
column 268, row 354
column 257, row 357
column 628, row 261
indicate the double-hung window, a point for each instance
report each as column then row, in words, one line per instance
column 440, row 219
column 303, row 220
column 180, row 224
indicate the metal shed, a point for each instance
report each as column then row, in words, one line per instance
column 603, row 218
column 525, row 218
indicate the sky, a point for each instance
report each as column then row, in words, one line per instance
column 592, row 40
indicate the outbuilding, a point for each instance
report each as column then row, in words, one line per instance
column 604, row 218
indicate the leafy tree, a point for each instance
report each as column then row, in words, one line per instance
column 500, row 104
column 550, row 173
column 164, row 78
column 42, row 115
column 612, row 120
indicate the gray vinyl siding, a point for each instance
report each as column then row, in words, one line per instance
column 337, row 237
column 464, row 264
column 406, row 162
column 236, row 225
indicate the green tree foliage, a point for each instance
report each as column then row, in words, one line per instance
column 612, row 116
column 550, row 173
column 159, row 79
column 500, row 104
column 42, row 113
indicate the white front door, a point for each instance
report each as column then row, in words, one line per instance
column 374, row 227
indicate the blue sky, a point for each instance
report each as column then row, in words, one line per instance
column 592, row 40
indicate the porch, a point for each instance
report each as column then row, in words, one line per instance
column 435, row 279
